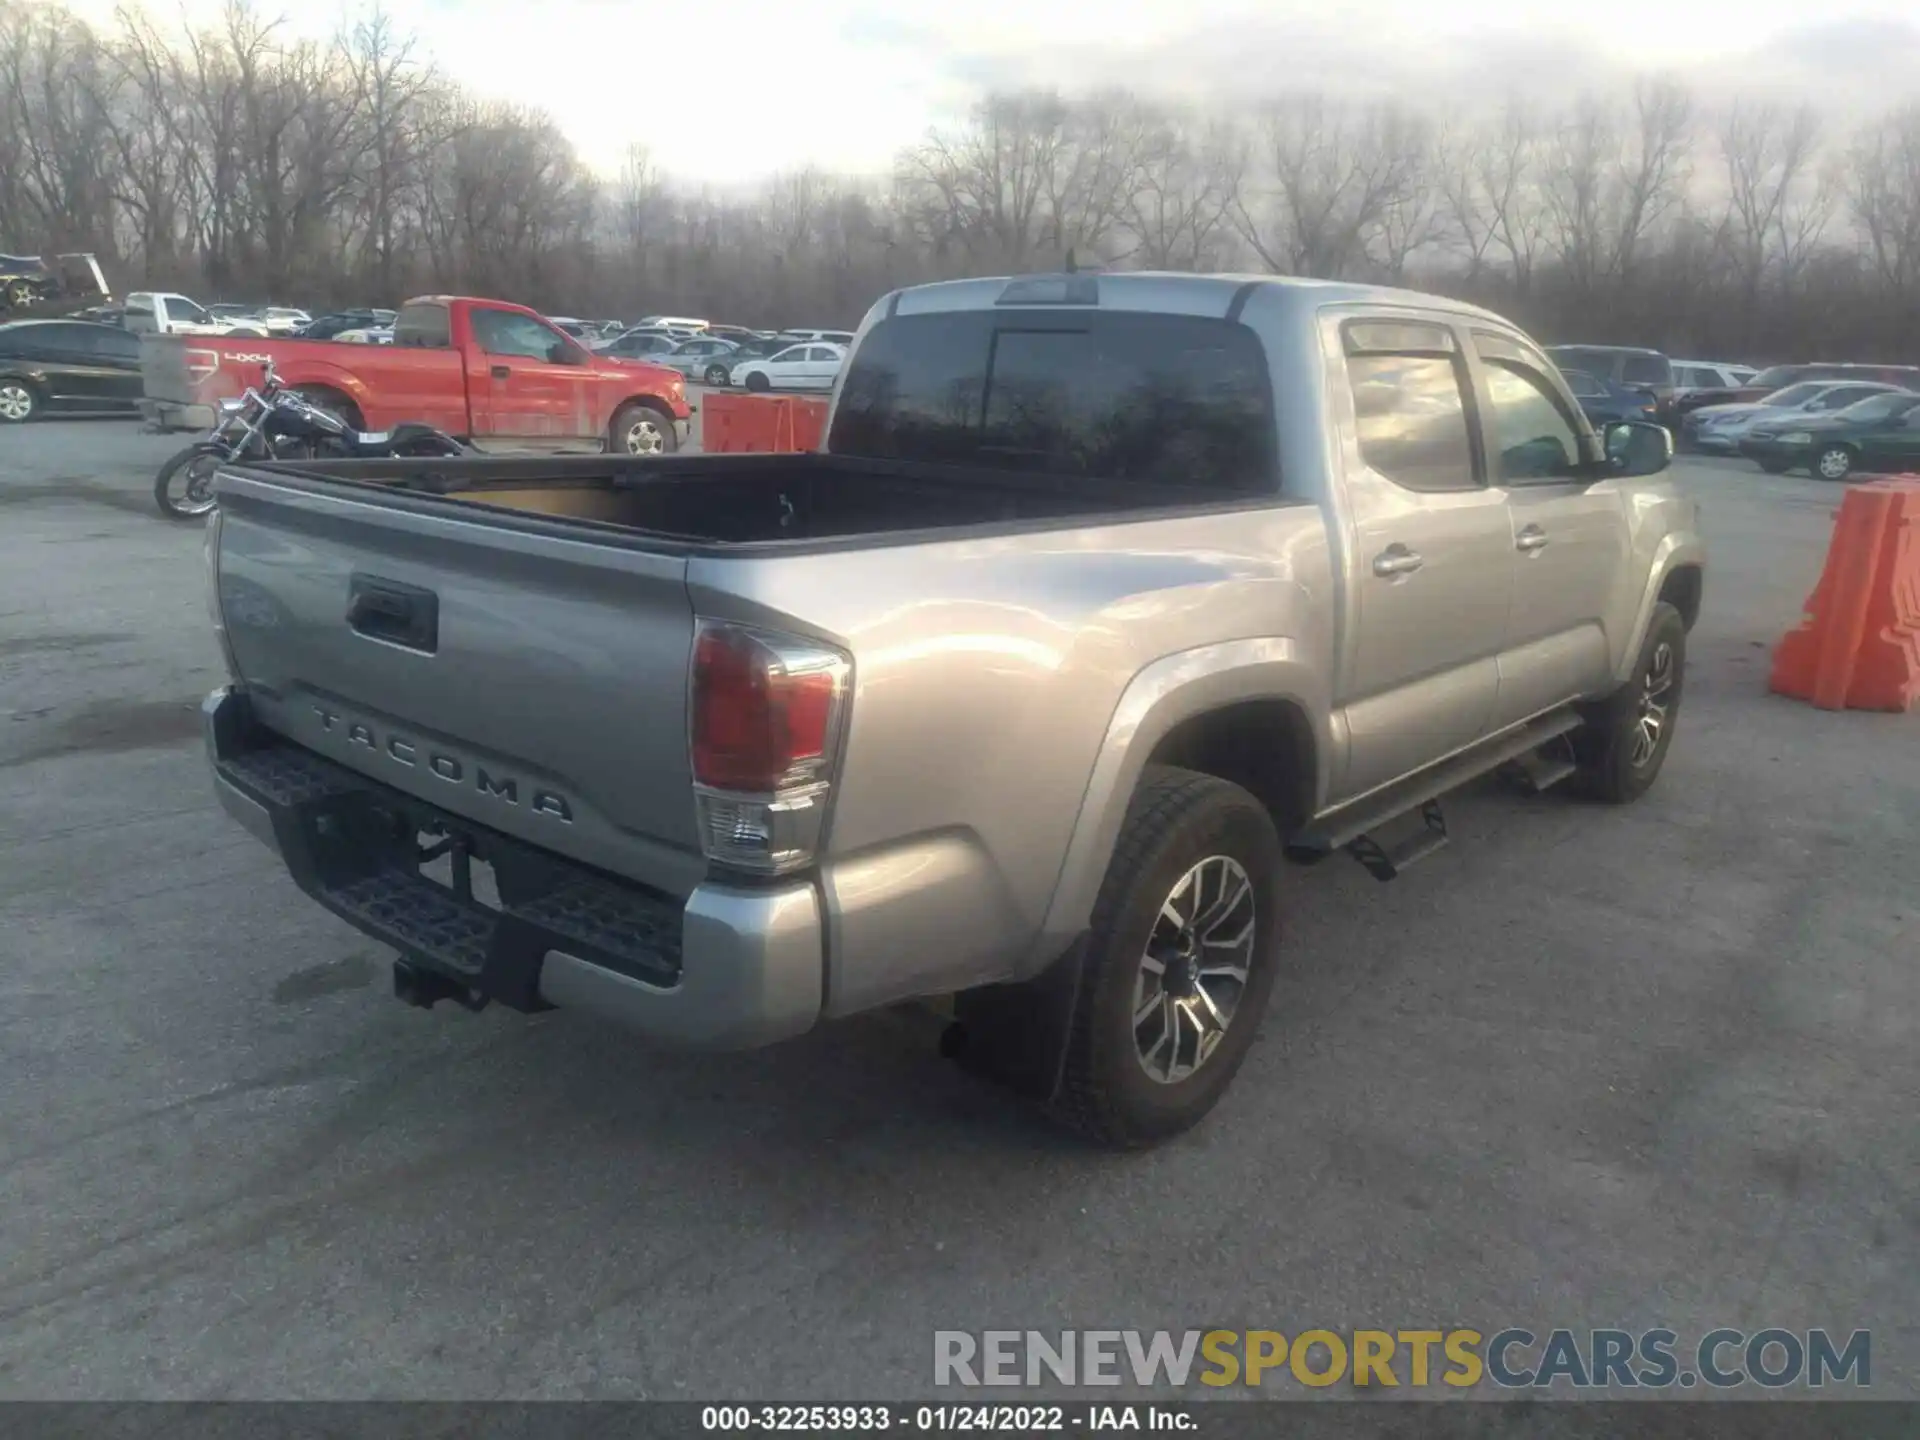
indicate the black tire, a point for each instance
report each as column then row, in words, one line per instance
column 634, row 422
column 19, row 295
column 19, row 401
column 1178, row 820
column 196, row 497
column 717, row 376
column 1774, row 467
column 758, row 383
column 1834, row 462
column 1614, row 765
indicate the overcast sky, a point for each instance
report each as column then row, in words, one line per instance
column 728, row 91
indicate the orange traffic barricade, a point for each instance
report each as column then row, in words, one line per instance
column 732, row 424
column 1859, row 647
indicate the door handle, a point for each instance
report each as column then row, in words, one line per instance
column 1396, row 560
column 501, row 372
column 1530, row 539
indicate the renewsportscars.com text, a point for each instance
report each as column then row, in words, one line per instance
column 1513, row 1358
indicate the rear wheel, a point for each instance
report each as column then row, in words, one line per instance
column 18, row 402
column 640, row 429
column 1834, row 462
column 184, row 487
column 717, row 376
column 19, row 295
column 1179, row 963
column 758, row 382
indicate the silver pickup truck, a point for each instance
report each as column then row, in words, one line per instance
column 1106, row 593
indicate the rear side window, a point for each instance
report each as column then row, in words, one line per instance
column 1646, row 370
column 1409, row 404
column 423, row 327
column 1169, row 400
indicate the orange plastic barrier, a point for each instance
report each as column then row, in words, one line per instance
column 761, row 424
column 1859, row 647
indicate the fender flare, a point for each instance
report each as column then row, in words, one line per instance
column 1160, row 696
column 302, row 374
column 1676, row 550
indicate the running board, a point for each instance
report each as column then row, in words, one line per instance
column 1353, row 822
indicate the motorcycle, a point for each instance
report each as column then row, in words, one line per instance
column 271, row 422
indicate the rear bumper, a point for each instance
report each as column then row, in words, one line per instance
column 176, row 415
column 732, row 967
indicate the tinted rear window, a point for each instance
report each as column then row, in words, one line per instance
column 423, row 327
column 1647, row 370
column 1155, row 399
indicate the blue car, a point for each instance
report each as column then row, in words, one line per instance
column 1606, row 402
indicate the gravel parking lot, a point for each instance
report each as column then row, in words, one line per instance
column 1585, row 1068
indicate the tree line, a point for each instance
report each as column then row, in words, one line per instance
column 239, row 162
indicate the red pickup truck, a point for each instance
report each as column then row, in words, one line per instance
column 494, row 374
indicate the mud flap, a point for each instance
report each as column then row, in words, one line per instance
column 1016, row 1035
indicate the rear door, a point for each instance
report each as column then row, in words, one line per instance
column 115, row 356
column 538, row 392
column 1433, row 548
column 823, row 363
column 537, row 686
column 1569, row 538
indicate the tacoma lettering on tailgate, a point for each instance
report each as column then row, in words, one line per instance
column 451, row 768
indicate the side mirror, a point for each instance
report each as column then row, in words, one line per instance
column 1637, row 448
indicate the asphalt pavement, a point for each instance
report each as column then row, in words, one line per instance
column 1586, row 1067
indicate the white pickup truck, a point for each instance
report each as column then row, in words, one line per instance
column 161, row 312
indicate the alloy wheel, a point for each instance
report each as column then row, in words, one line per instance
column 644, row 438
column 16, row 402
column 1655, row 707
column 1194, row 969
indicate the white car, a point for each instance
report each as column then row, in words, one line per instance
column 285, row 320
column 832, row 337
column 367, row 335
column 798, row 367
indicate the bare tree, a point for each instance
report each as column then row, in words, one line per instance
column 1178, row 212
column 1885, row 200
column 1322, row 180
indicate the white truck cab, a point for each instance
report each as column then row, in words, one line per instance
column 161, row 312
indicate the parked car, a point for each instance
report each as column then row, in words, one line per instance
column 700, row 358
column 1881, row 432
column 738, row 334
column 272, row 319
column 759, row 348
column 670, row 322
column 368, row 335
column 1626, row 365
column 637, row 345
column 1907, row 377
column 331, row 324
column 797, row 367
column 52, row 365
column 1604, row 402
column 832, row 337
column 163, row 312
column 33, row 285
column 484, row 371
column 1020, row 700
column 1718, row 429
column 1707, row 382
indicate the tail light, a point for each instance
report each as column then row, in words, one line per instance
column 766, row 715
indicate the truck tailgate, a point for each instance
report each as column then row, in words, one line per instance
column 535, row 683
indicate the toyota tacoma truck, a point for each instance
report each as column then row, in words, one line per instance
column 1104, row 595
column 496, row 375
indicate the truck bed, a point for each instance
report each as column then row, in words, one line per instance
column 732, row 500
